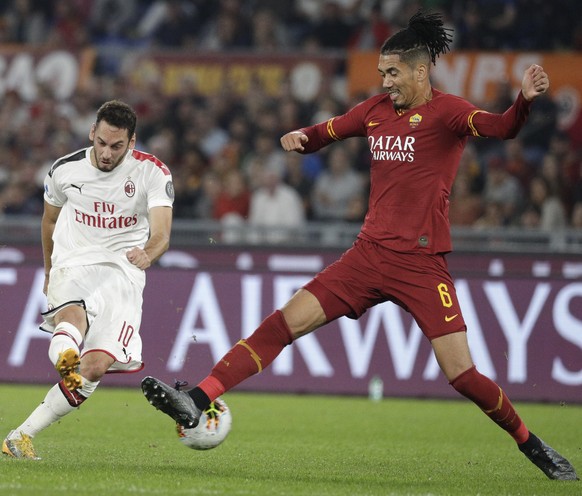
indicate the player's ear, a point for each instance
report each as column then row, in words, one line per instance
column 92, row 132
column 132, row 141
column 421, row 73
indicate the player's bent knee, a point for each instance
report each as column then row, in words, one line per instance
column 95, row 364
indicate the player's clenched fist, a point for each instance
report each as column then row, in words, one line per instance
column 139, row 258
column 294, row 141
column 535, row 82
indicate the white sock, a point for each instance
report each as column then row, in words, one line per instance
column 54, row 407
column 65, row 336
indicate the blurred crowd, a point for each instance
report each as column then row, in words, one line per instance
column 224, row 150
column 284, row 24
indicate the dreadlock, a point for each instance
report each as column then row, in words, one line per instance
column 425, row 33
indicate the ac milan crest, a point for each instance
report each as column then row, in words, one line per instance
column 129, row 188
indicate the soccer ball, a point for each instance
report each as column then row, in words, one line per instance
column 214, row 426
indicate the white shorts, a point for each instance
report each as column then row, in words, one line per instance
column 113, row 304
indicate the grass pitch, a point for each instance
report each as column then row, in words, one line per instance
column 286, row 445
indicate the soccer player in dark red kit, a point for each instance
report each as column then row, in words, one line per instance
column 416, row 135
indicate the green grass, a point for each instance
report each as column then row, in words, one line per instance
column 286, row 445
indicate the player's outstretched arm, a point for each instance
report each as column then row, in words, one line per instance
column 294, row 141
column 535, row 82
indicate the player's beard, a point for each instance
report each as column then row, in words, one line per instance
column 110, row 166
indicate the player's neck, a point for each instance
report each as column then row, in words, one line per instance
column 93, row 157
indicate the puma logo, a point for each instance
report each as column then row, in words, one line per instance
column 77, row 187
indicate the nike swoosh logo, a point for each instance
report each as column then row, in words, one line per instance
column 372, row 124
column 452, row 317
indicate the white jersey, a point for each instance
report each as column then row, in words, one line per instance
column 104, row 214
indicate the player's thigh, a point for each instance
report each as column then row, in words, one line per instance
column 452, row 354
column 422, row 285
column 69, row 289
column 303, row 313
column 115, row 308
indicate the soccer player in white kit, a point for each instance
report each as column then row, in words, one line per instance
column 107, row 218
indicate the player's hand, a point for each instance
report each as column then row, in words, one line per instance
column 535, row 82
column 294, row 141
column 139, row 258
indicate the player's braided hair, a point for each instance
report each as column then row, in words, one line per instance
column 424, row 32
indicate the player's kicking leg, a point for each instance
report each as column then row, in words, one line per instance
column 19, row 445
column 548, row 460
column 68, row 368
column 173, row 402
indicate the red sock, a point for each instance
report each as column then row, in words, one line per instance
column 492, row 400
column 248, row 356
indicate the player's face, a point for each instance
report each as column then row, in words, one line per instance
column 109, row 145
column 401, row 82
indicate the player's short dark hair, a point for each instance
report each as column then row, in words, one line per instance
column 118, row 114
column 423, row 38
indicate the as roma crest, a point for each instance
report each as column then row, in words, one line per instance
column 415, row 120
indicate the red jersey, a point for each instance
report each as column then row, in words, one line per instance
column 415, row 157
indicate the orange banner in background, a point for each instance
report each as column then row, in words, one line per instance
column 476, row 75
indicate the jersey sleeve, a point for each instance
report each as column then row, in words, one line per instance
column 336, row 128
column 53, row 193
column 160, row 187
column 467, row 120
column 504, row 126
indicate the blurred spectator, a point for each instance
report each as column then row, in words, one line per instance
column 517, row 162
column 530, row 217
column 486, row 24
column 502, row 189
column 466, row 206
column 470, row 166
column 111, row 18
column 264, row 154
column 552, row 211
column 211, row 137
column 576, row 220
column 211, row 187
column 234, row 197
column 567, row 156
column 577, row 187
column 177, row 28
column 228, row 30
column 296, row 178
column 268, row 32
column 493, row 216
column 550, row 170
column 332, row 29
column 24, row 22
column 83, row 114
column 338, row 191
column 539, row 128
column 276, row 210
column 188, row 175
column 22, row 195
column 371, row 31
column 68, row 28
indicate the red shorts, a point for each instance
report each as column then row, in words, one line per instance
column 368, row 274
